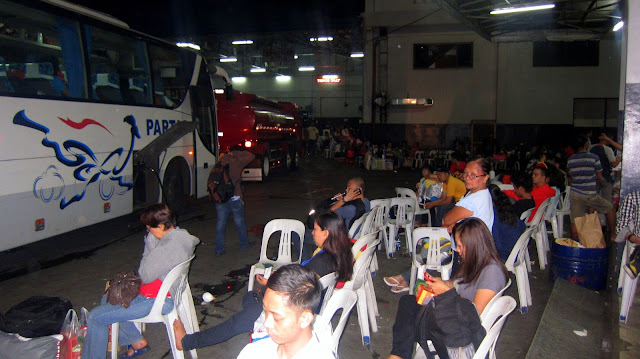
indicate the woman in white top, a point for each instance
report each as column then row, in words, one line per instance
column 477, row 202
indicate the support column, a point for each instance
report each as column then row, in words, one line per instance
column 631, row 65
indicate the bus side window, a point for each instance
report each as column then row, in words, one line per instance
column 39, row 53
column 172, row 69
column 119, row 68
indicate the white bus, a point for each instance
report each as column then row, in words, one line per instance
column 97, row 120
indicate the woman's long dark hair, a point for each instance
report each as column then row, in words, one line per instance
column 337, row 244
column 479, row 249
column 503, row 205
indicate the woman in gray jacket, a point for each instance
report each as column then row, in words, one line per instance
column 165, row 246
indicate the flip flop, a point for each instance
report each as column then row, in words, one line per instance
column 136, row 352
column 398, row 289
column 391, row 282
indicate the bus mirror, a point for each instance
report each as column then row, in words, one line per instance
column 228, row 91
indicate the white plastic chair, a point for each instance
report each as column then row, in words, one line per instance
column 361, row 283
column 404, row 219
column 487, row 309
column 506, row 187
column 183, row 306
column 369, row 226
column 382, row 218
column 356, row 250
column 540, row 232
column 418, row 160
column 516, row 263
column 434, row 255
column 626, row 284
column 286, row 227
column 328, row 283
column 406, row 192
column 343, row 299
column 500, row 309
column 550, row 214
column 564, row 205
column 356, row 227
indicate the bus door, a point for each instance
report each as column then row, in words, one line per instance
column 203, row 115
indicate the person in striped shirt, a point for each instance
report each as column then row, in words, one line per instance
column 585, row 170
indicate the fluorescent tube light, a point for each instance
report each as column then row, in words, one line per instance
column 357, row 54
column 618, row 26
column 510, row 10
column 330, row 76
column 218, row 91
column 188, row 44
column 228, row 59
column 283, row 78
column 321, row 38
column 258, row 69
column 239, row 79
column 242, row 42
column 306, row 68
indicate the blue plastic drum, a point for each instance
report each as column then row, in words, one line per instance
column 586, row 267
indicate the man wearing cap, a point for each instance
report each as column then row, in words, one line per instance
column 452, row 190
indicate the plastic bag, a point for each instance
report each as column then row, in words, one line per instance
column 73, row 334
column 432, row 192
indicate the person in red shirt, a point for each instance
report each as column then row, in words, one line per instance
column 457, row 165
column 541, row 189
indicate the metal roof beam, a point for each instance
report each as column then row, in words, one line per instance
column 453, row 10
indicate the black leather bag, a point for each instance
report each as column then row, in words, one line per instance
column 123, row 288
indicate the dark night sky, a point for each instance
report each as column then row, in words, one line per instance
column 165, row 18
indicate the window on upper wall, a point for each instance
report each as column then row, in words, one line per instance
column 442, row 56
column 565, row 53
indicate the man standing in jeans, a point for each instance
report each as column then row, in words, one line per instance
column 237, row 159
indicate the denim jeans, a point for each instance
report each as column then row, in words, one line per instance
column 241, row 322
column 235, row 207
column 95, row 343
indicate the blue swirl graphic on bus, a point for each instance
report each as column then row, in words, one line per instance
column 49, row 185
column 79, row 155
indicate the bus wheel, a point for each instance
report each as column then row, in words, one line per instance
column 176, row 184
column 266, row 166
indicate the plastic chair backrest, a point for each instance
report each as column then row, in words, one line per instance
column 178, row 274
column 565, row 203
column 405, row 192
column 364, row 240
column 434, row 235
column 369, row 224
column 286, row 228
column 381, row 218
column 553, row 206
column 419, row 155
column 540, row 212
column 517, row 254
column 328, row 280
column 506, row 187
column 487, row 308
column 343, row 299
column 356, row 227
column 526, row 214
column 405, row 206
column 500, row 309
column 361, row 266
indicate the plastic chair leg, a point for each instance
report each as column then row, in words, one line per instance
column 521, row 279
column 363, row 318
column 622, row 274
column 527, row 259
column 542, row 253
column 414, row 274
column 628, row 292
column 372, row 305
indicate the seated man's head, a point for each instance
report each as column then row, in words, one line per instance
column 442, row 175
column 540, row 175
column 293, row 294
column 356, row 183
column 522, row 184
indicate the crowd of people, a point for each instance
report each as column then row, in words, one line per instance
column 484, row 220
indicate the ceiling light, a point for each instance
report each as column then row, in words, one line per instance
column 321, row 39
column 330, row 76
column 306, row 68
column 283, row 78
column 258, row 69
column 242, row 42
column 218, row 91
column 228, row 59
column 239, row 79
column 510, row 10
column 295, row 57
column 618, row 26
column 357, row 54
column 188, row 44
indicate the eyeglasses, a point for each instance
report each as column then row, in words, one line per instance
column 471, row 175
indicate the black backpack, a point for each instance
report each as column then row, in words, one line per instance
column 37, row 316
column 219, row 185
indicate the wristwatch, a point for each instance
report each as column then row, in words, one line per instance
column 343, row 201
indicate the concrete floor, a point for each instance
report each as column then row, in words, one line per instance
column 80, row 277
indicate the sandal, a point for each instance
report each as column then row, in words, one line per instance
column 398, row 289
column 391, row 281
column 136, row 352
